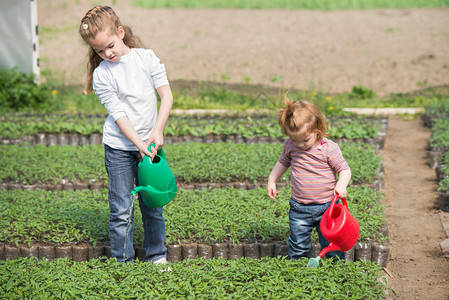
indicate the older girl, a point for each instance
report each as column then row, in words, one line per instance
column 126, row 77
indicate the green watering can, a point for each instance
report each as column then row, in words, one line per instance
column 157, row 182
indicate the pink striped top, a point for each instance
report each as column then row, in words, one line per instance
column 313, row 171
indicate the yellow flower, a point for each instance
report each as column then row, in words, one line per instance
column 313, row 93
column 331, row 108
column 328, row 98
column 54, row 92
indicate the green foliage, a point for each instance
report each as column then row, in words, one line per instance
column 222, row 162
column 266, row 126
column 72, row 101
column 258, row 98
column 20, row 124
column 362, row 92
column 357, row 127
column 438, row 114
column 365, row 164
column 444, row 185
column 438, row 109
column 196, row 162
column 444, row 168
column 229, row 215
column 56, row 97
column 440, row 134
column 53, row 217
column 190, row 279
column 212, row 215
column 365, row 204
column 220, row 98
column 190, row 162
column 41, row 164
column 19, row 91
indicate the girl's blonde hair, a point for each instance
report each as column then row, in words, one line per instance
column 98, row 19
column 300, row 118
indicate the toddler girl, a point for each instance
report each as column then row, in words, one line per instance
column 314, row 161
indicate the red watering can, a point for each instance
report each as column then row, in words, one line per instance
column 339, row 227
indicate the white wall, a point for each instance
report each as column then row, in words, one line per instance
column 19, row 44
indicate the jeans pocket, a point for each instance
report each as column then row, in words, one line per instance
column 296, row 206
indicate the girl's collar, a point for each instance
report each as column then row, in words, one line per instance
column 321, row 143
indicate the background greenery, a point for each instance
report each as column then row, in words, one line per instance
column 19, row 93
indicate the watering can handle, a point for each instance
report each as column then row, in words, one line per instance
column 160, row 152
column 334, row 200
column 331, row 208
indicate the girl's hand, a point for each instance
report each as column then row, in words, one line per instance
column 158, row 139
column 143, row 149
column 271, row 189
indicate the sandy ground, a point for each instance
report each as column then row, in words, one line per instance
column 389, row 51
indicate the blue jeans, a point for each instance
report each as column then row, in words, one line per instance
column 122, row 171
column 303, row 218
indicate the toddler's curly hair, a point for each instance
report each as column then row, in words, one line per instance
column 300, row 118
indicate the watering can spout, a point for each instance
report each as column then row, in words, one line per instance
column 137, row 189
column 153, row 197
column 330, row 248
column 151, row 191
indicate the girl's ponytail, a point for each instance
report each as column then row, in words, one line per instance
column 300, row 118
column 93, row 62
column 286, row 116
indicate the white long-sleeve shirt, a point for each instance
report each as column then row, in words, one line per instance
column 128, row 88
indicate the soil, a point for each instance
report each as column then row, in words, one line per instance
column 389, row 51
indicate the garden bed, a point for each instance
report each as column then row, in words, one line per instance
column 76, row 130
column 199, row 224
column 195, row 165
column 362, row 251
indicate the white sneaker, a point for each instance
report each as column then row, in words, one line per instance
column 162, row 261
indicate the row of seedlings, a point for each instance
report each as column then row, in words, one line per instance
column 196, row 165
column 203, row 223
column 437, row 119
column 74, row 131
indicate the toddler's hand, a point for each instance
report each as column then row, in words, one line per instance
column 271, row 189
column 340, row 191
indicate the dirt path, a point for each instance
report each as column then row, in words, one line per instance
column 416, row 263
